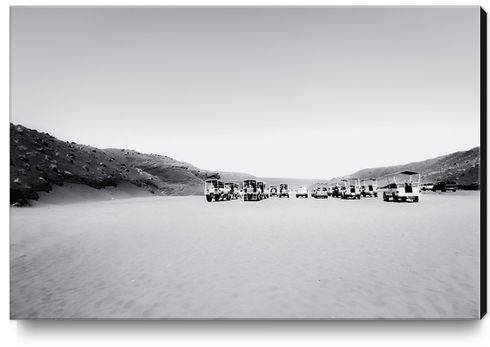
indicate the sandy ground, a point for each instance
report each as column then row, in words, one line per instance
column 185, row 258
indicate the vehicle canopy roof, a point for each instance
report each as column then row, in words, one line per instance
column 210, row 180
column 406, row 172
column 350, row 179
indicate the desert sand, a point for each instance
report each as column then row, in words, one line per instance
column 84, row 255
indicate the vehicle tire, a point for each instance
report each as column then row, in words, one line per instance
column 416, row 199
column 359, row 197
column 209, row 198
column 216, row 198
column 375, row 195
column 395, row 198
column 385, row 197
column 404, row 199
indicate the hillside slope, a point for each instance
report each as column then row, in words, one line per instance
column 39, row 160
column 462, row 167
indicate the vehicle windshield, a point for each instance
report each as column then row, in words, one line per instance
column 249, row 184
column 211, row 184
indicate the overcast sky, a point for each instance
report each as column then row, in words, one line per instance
column 284, row 92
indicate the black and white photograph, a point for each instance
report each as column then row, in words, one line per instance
column 245, row 163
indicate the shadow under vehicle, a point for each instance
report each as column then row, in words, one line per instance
column 402, row 186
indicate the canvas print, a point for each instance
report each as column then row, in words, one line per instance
column 245, row 163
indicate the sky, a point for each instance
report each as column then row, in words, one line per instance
column 317, row 92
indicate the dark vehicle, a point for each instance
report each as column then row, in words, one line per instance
column 283, row 190
column 333, row 190
column 234, row 191
column 251, row 191
column 445, row 186
column 273, row 191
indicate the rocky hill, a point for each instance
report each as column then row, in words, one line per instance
column 39, row 160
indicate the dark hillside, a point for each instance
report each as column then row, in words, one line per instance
column 39, row 160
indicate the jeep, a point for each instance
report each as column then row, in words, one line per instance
column 404, row 185
column 444, row 186
column 350, row 188
column 283, row 190
column 302, row 191
column 251, row 191
column 216, row 189
column 369, row 187
column 320, row 192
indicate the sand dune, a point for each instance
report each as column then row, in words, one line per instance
column 185, row 258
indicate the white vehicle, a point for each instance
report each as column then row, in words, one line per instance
column 320, row 192
column 369, row 187
column 350, row 188
column 216, row 190
column 403, row 186
column 302, row 191
column 267, row 192
column 251, row 191
column 426, row 186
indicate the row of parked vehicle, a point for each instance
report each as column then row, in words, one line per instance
column 440, row 186
column 254, row 190
column 402, row 186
